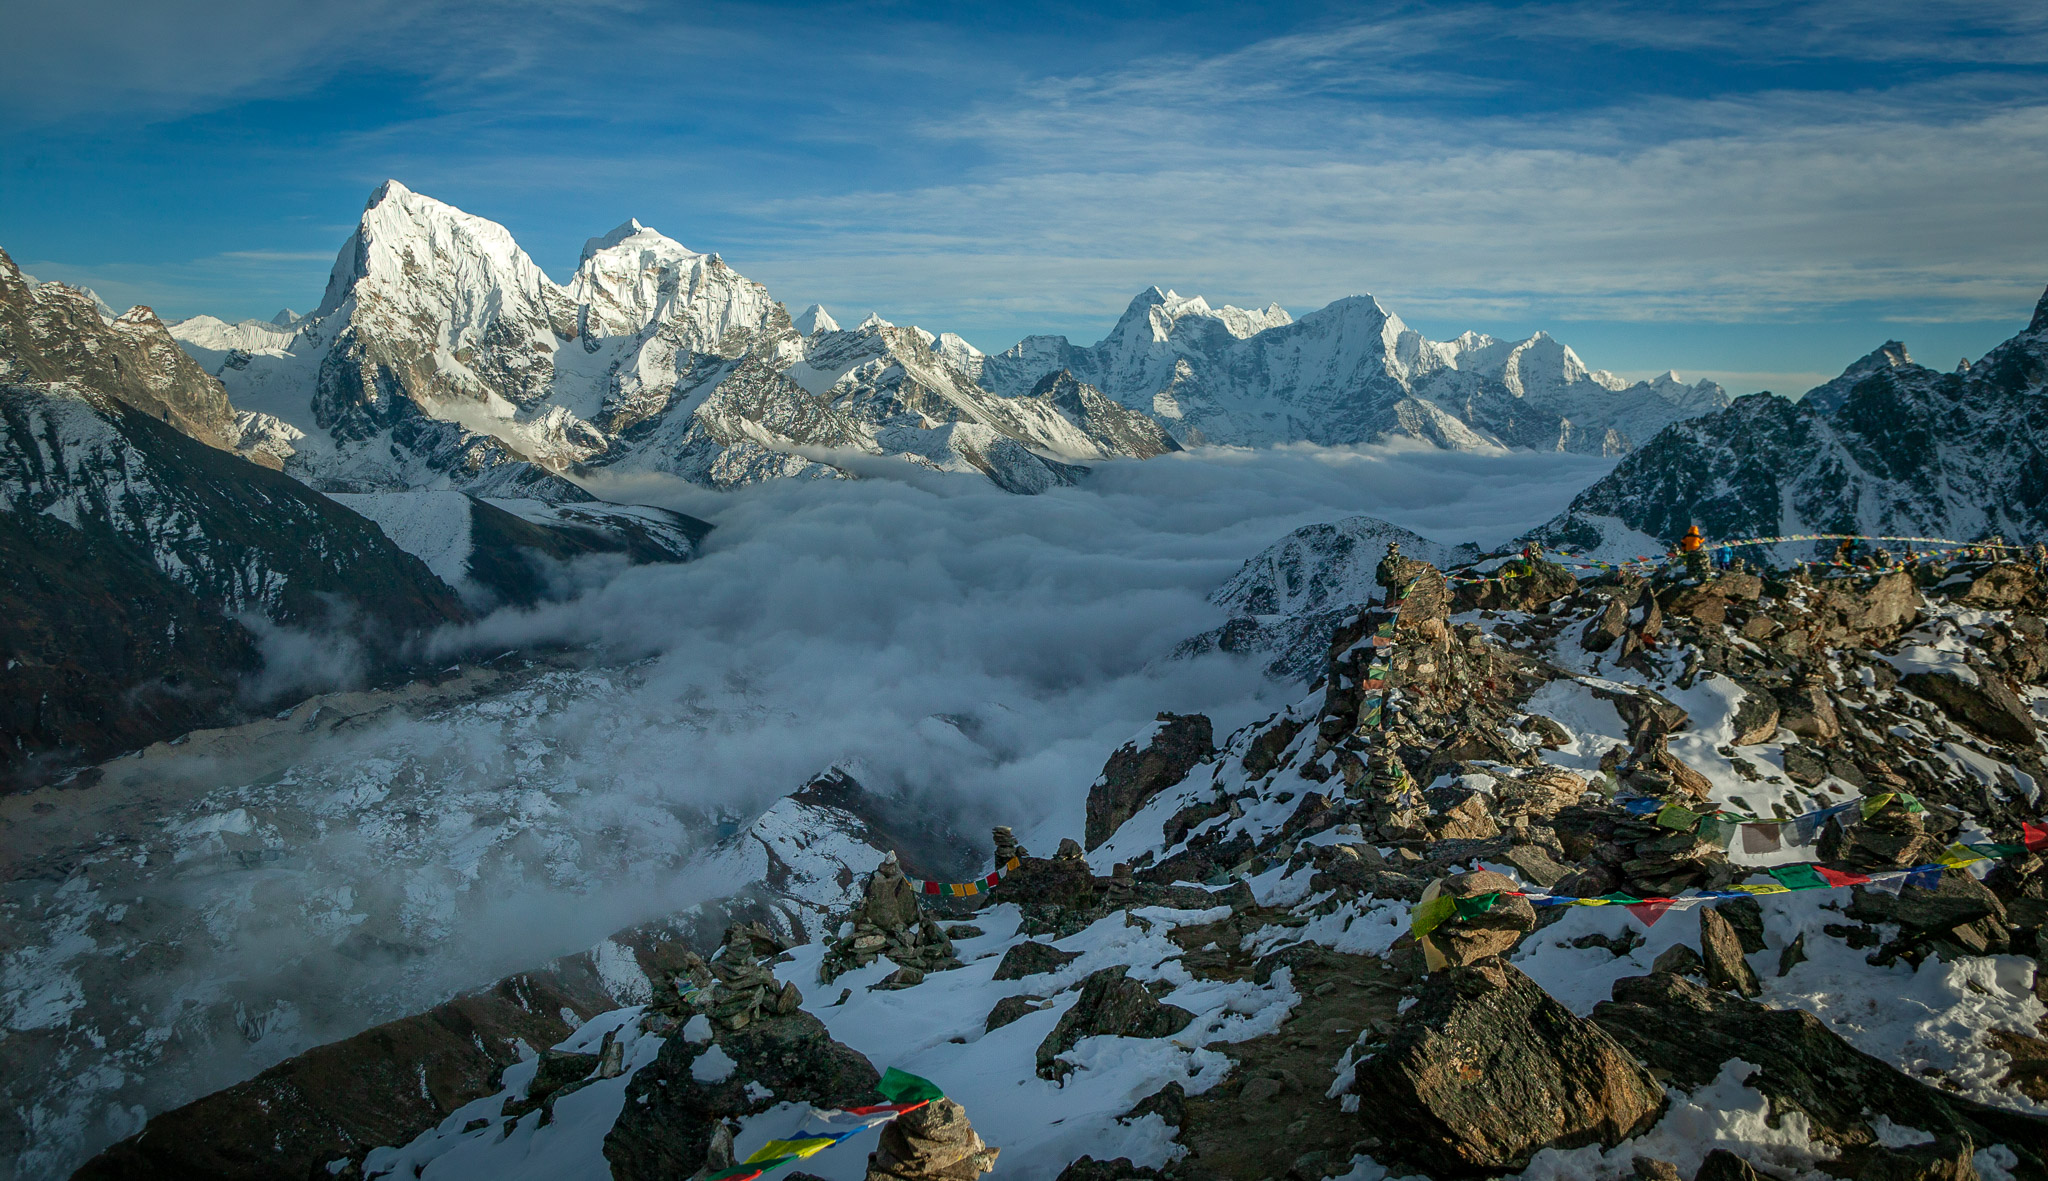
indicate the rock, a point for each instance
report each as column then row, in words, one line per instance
column 1133, row 776
column 1948, row 1158
column 1069, row 850
column 900, row 978
column 1120, row 1169
column 1535, row 863
column 889, row 921
column 1169, row 1103
column 1265, row 751
column 1893, row 837
column 933, row 1143
column 1756, row 718
column 1467, row 941
column 1746, row 915
column 1485, row 1069
column 1688, row 1032
column 1679, row 960
column 1723, row 1165
column 1807, row 711
column 1701, row 604
column 1959, row 915
column 1607, row 627
column 667, row 1125
column 1030, row 958
column 1466, row 820
column 1985, row 706
column 2002, row 587
column 1721, row 955
column 1110, row 1004
column 1009, row 1009
column 1651, row 1169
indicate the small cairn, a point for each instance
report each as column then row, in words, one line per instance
column 744, row 989
column 890, row 922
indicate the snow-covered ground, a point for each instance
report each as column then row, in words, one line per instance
column 295, row 881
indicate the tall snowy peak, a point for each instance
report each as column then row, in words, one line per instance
column 1894, row 449
column 815, row 319
column 636, row 278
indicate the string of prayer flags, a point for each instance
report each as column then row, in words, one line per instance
column 905, row 1092
column 966, row 889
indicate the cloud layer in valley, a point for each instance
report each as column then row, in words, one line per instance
column 980, row 651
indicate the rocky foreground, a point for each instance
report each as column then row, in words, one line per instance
column 1556, row 879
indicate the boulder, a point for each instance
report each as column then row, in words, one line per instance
column 1723, row 1165
column 1721, row 955
column 1959, row 915
column 1606, row 628
column 2002, row 587
column 1485, row 1069
column 1688, row 1032
column 1893, row 837
column 1495, row 932
column 1110, row 1004
column 1009, row 1009
column 933, row 1143
column 1984, row 704
column 1133, row 776
column 1030, row 958
column 1808, row 711
column 1120, row 1169
column 1756, row 718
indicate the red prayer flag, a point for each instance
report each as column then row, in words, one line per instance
column 1838, row 877
column 1649, row 910
column 2033, row 836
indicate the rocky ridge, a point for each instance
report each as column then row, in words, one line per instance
column 1888, row 448
column 1229, row 984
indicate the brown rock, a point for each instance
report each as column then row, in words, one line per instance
column 1756, row 718
column 1486, row 1069
column 1133, row 776
column 1721, row 955
column 1986, row 706
column 1467, row 941
column 1110, row 1004
column 1723, row 1165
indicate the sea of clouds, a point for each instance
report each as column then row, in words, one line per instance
column 980, row 652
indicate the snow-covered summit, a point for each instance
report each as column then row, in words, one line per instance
column 815, row 319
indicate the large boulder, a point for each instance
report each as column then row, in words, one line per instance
column 1133, row 775
column 1486, row 1069
column 1982, row 703
column 1110, row 1004
column 1721, row 955
column 1688, row 1033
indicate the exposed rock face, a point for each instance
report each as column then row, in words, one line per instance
column 1985, row 705
column 1030, row 958
column 933, row 1143
column 1132, row 776
column 1688, row 1032
column 55, row 333
column 1110, row 1004
column 1486, row 1069
column 666, row 1127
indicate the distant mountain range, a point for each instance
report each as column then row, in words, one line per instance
column 442, row 356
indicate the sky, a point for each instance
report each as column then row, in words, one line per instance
column 1759, row 193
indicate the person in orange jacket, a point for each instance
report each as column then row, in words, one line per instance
column 1693, row 549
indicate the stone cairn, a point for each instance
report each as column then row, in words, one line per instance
column 744, row 989
column 1395, row 805
column 933, row 1143
column 890, row 922
column 1007, row 846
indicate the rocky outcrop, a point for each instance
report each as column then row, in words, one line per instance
column 1687, row 1032
column 1133, row 776
column 1983, row 703
column 1721, row 955
column 1465, row 941
column 1113, row 1005
column 1486, row 1069
column 673, row 1110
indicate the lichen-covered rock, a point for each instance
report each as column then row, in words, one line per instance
column 1493, row 933
column 1486, row 1069
column 1721, row 955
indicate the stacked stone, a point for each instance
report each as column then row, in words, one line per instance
column 889, row 922
column 1394, row 805
column 1662, row 862
column 1007, row 846
column 744, row 989
column 933, row 1143
column 1893, row 837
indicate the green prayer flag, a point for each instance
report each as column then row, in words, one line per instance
column 1872, row 805
column 1797, row 877
column 1476, row 905
column 899, row 1086
column 1719, row 829
column 1677, row 818
column 1432, row 914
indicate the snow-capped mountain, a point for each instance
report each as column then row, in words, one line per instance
column 441, row 356
column 1889, row 448
column 1349, row 373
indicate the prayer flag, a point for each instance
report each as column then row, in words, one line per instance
column 1797, row 877
column 1677, row 818
column 1761, row 838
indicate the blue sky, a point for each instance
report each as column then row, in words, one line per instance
column 1758, row 193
